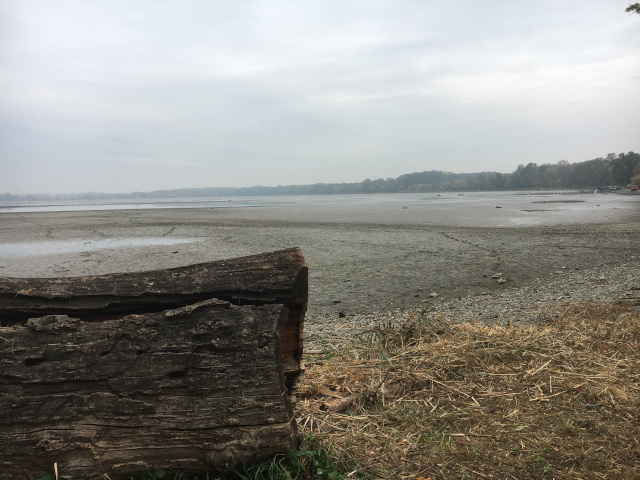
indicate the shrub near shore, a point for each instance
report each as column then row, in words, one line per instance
column 560, row 399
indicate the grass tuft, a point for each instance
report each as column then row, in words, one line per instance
column 311, row 461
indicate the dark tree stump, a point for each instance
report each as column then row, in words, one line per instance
column 187, row 368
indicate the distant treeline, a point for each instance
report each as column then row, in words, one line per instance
column 615, row 169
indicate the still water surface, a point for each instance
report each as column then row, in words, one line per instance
column 282, row 200
column 75, row 246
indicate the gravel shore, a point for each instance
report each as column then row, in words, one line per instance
column 543, row 299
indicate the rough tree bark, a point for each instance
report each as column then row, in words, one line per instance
column 187, row 368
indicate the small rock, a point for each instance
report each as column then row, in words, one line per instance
column 433, row 295
column 502, row 280
column 497, row 275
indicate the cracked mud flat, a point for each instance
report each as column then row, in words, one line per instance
column 362, row 258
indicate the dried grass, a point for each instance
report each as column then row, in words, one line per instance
column 560, row 399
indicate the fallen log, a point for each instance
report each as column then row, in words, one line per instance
column 187, row 368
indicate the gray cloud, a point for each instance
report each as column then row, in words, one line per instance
column 122, row 96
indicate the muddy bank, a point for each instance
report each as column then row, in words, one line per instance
column 355, row 263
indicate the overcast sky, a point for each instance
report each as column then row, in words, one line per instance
column 118, row 96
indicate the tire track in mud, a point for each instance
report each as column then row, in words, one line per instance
column 493, row 252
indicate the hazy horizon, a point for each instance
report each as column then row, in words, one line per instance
column 115, row 97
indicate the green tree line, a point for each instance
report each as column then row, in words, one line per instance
column 600, row 172
column 613, row 169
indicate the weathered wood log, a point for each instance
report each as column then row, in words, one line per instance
column 188, row 368
column 270, row 278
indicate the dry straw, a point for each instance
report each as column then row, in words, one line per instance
column 431, row 399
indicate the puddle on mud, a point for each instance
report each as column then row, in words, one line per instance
column 24, row 249
column 560, row 201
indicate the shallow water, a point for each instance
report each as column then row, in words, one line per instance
column 478, row 209
column 261, row 201
column 89, row 205
column 24, row 249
